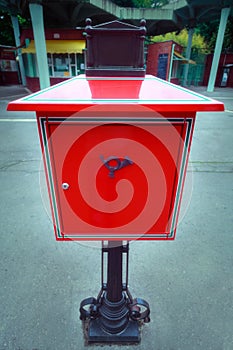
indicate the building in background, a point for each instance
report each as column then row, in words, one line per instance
column 165, row 61
column 65, row 54
column 224, row 76
column 9, row 72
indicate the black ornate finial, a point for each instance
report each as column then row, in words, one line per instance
column 88, row 22
column 143, row 23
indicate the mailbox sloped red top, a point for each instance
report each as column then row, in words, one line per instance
column 80, row 92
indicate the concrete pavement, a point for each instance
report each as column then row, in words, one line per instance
column 188, row 282
column 12, row 92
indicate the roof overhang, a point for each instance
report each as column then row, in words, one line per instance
column 58, row 46
column 178, row 57
column 172, row 17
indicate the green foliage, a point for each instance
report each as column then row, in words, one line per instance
column 199, row 46
column 23, row 22
column 182, row 39
column 141, row 3
column 6, row 29
column 228, row 38
column 210, row 31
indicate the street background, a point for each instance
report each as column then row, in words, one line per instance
column 188, row 283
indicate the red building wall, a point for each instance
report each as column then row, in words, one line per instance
column 157, row 49
column 225, row 59
column 154, row 50
column 53, row 33
column 8, row 74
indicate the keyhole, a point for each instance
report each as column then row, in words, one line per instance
column 65, row 186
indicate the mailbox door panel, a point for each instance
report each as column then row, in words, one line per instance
column 115, row 180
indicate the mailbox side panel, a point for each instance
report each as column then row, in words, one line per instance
column 140, row 199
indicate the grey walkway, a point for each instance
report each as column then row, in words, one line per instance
column 11, row 92
column 188, row 282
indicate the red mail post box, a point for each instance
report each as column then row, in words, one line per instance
column 115, row 145
column 115, row 151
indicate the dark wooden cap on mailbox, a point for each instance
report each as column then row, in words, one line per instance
column 115, row 49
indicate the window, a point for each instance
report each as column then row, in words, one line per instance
column 162, row 66
column 65, row 65
column 175, row 66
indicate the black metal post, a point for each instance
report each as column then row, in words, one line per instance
column 114, row 279
column 114, row 315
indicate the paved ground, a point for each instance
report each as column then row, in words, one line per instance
column 188, row 282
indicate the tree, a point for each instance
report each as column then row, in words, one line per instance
column 210, row 30
column 182, row 39
column 6, row 30
column 199, row 46
column 141, row 3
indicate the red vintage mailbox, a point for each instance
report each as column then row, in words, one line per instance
column 115, row 146
column 115, row 152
